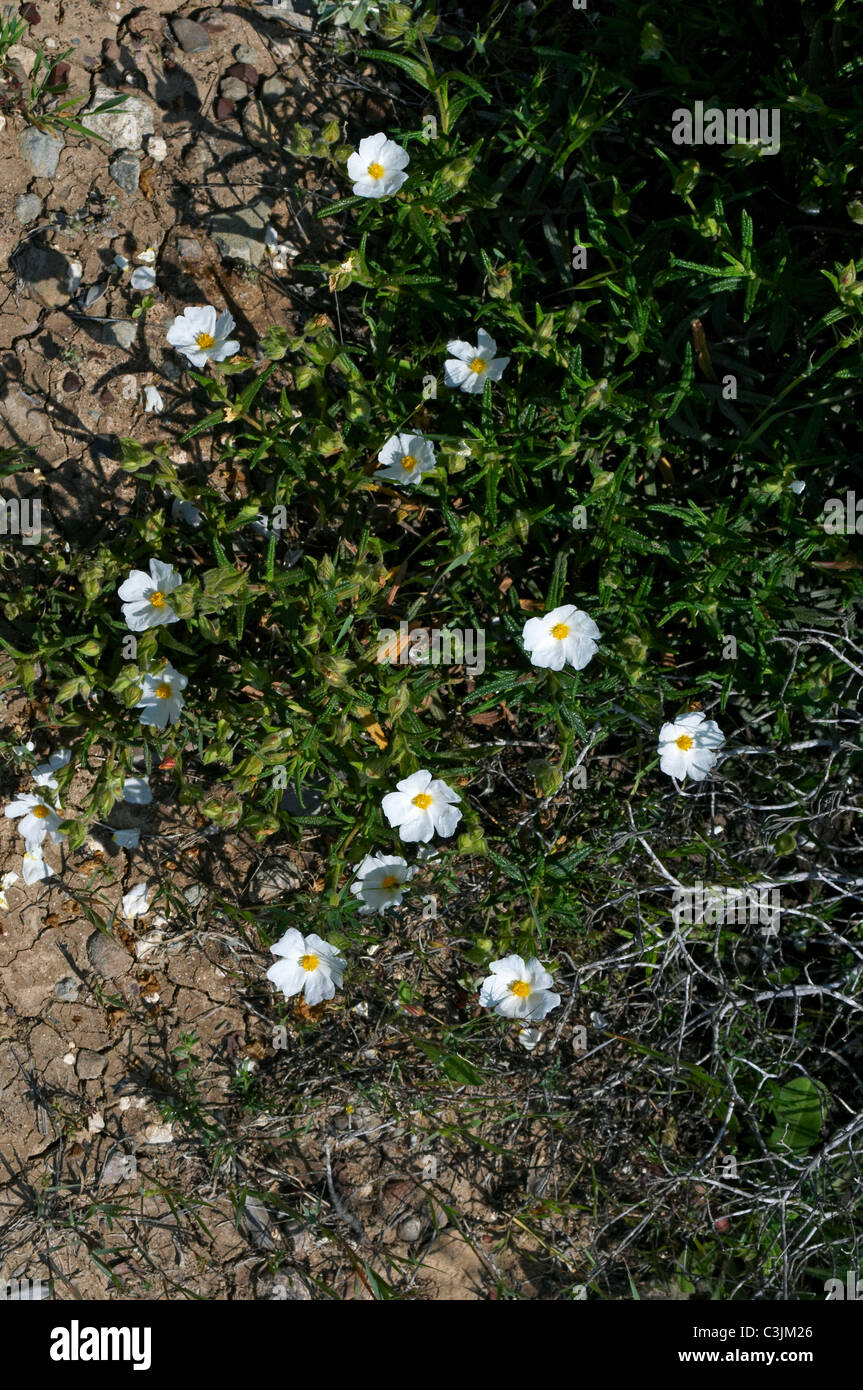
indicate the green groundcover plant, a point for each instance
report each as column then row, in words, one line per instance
column 579, row 389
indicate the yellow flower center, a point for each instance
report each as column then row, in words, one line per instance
column 408, row 462
column 521, row 988
column 376, row 170
column 477, row 365
column 163, row 691
column 157, row 598
column 559, row 631
column 41, row 812
column 205, row 341
column 309, row 963
column 390, row 881
column 423, row 800
column 684, row 742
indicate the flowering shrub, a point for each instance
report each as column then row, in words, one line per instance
column 571, row 479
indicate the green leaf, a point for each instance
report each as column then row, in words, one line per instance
column 411, row 66
column 799, row 1109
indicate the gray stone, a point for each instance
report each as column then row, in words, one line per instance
column 27, row 208
column 192, row 37
column 107, row 956
column 187, row 249
column 277, row 875
column 244, row 54
column 124, row 128
column 24, row 57
column 233, row 89
column 121, row 334
column 157, row 1133
column 298, row 13
column 120, row 1167
column 273, row 90
column 89, row 1065
column 193, row 894
column 67, row 989
column 410, row 1230
column 239, row 232
column 125, row 170
column 41, row 150
column 45, row 272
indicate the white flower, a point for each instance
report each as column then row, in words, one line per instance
column 21, row 750
column 406, row 457
column 185, row 511
column 422, row 806
column 144, row 278
column 6, row 882
column 529, row 1037
column 153, row 402
column 376, row 167
column 148, row 257
column 33, row 866
column 135, row 901
column 564, row 635
column 687, row 747
column 127, row 839
column 136, row 790
column 279, row 252
column 143, row 596
column 200, row 333
column 380, row 881
column 518, row 990
column 307, row 964
column 43, row 775
column 38, row 819
column 121, row 263
column 161, row 701
column 797, row 486
column 471, row 367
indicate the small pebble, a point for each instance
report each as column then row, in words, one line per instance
column 120, row 1167
column 107, row 956
column 122, row 334
column 410, row 1230
column 157, row 148
column 273, row 90
column 233, row 89
column 125, row 170
column 27, row 208
column 67, row 989
column 90, row 1065
column 245, row 72
column 157, row 1134
column 192, row 37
